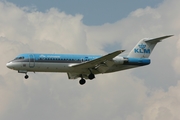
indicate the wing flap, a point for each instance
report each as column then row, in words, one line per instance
column 103, row 67
column 73, row 75
column 77, row 75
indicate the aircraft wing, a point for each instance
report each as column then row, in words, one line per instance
column 101, row 64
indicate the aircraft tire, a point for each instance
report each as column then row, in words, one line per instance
column 82, row 81
column 91, row 76
column 26, row 76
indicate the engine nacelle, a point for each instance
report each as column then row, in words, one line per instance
column 119, row 60
column 131, row 61
column 137, row 61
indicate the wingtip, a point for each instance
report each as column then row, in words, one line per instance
column 121, row 51
column 169, row 35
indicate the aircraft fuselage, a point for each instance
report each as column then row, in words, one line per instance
column 62, row 62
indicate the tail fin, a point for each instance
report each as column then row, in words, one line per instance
column 145, row 46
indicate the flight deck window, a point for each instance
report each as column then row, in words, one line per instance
column 17, row 58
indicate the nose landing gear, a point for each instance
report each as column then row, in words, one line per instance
column 25, row 72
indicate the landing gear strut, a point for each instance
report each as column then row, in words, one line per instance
column 82, row 81
column 26, row 76
column 91, row 75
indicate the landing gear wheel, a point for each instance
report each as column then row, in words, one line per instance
column 82, row 81
column 26, row 76
column 91, row 76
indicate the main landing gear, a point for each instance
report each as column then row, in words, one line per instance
column 91, row 76
column 82, row 81
column 26, row 76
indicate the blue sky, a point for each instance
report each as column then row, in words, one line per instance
column 95, row 12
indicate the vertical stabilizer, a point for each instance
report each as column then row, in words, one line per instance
column 145, row 46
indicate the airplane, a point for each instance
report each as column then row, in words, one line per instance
column 86, row 66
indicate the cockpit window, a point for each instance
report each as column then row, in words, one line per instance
column 18, row 58
column 21, row 57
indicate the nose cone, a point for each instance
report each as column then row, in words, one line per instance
column 9, row 65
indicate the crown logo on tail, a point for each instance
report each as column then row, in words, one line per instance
column 142, row 46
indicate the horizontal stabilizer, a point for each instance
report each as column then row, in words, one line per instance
column 156, row 40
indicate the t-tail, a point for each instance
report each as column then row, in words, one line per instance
column 145, row 47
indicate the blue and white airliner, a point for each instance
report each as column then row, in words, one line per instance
column 85, row 66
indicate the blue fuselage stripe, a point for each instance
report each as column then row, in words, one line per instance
column 56, row 58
